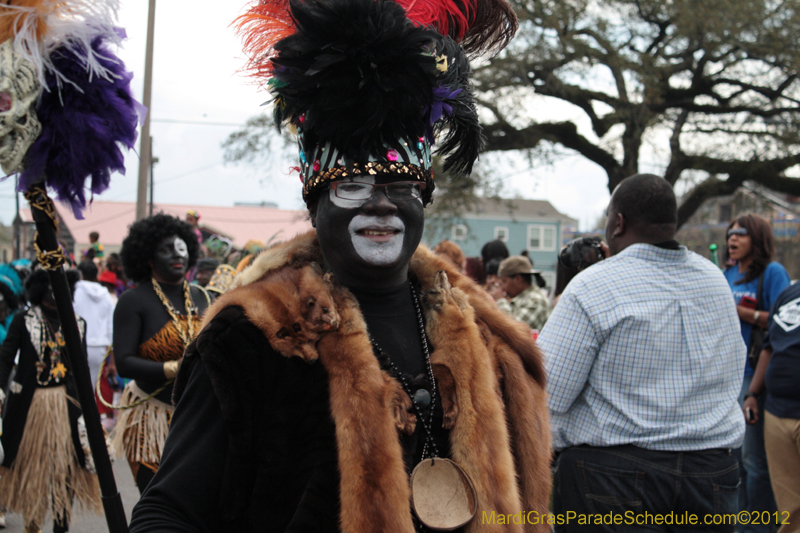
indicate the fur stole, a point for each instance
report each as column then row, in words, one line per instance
column 491, row 380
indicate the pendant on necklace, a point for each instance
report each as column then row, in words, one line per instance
column 442, row 495
column 422, row 398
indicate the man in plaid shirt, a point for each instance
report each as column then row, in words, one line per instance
column 644, row 360
column 522, row 300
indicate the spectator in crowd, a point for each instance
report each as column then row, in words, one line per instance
column 114, row 264
column 193, row 219
column 776, row 382
column 644, row 367
column 205, row 270
column 517, row 294
column 452, row 252
column 94, row 239
column 751, row 247
column 95, row 306
column 473, row 268
column 495, row 249
column 8, row 301
column 109, row 280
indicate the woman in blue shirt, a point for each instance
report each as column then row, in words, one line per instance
column 750, row 246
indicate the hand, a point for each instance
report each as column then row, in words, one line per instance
column 605, row 250
column 750, row 403
column 171, row 368
column 496, row 291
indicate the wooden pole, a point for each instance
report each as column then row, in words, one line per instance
column 144, row 135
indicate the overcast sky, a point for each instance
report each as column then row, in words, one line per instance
column 199, row 99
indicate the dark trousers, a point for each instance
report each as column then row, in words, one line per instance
column 634, row 485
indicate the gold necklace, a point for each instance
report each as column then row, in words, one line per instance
column 174, row 314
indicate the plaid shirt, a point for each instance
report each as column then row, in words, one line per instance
column 529, row 306
column 644, row 348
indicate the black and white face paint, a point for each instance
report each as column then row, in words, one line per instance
column 171, row 259
column 377, row 240
column 180, row 247
column 369, row 242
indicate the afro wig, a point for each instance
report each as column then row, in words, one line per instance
column 139, row 247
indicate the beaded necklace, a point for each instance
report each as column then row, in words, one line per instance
column 443, row 497
column 54, row 342
column 422, row 398
column 188, row 334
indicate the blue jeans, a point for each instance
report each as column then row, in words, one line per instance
column 632, row 481
column 756, row 488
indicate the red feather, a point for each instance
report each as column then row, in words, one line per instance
column 448, row 17
column 264, row 24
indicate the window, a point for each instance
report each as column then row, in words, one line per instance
column 541, row 238
column 459, row 232
column 501, row 233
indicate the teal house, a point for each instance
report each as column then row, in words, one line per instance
column 532, row 225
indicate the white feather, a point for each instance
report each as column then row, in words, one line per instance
column 73, row 24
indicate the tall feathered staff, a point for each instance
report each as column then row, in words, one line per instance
column 66, row 113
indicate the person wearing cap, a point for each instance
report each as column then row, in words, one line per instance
column 517, row 295
column 205, row 269
column 405, row 378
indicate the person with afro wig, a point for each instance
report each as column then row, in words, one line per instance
column 153, row 324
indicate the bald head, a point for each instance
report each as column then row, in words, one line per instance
column 643, row 209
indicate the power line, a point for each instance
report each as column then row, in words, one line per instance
column 198, row 122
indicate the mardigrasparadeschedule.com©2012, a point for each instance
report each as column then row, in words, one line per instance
column 630, row 518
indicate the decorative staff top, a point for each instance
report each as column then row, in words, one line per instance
column 66, row 107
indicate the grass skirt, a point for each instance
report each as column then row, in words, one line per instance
column 46, row 475
column 141, row 430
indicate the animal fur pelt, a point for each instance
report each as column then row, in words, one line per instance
column 491, row 379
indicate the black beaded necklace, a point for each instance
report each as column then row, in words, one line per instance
column 422, row 398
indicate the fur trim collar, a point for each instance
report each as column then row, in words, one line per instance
column 490, row 376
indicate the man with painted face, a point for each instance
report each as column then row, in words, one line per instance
column 153, row 323
column 416, row 371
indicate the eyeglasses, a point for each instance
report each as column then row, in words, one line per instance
column 397, row 190
column 737, row 231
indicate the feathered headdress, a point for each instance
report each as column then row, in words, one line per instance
column 369, row 85
column 66, row 108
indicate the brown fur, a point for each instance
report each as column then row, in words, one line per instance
column 362, row 404
column 488, row 369
column 292, row 306
column 480, row 423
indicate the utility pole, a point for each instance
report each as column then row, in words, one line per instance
column 145, row 142
column 153, row 161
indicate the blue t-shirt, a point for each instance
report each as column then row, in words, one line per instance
column 775, row 280
column 783, row 372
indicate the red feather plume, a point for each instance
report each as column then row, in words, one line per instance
column 264, row 24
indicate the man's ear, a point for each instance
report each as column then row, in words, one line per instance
column 621, row 227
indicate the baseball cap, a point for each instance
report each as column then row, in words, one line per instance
column 516, row 264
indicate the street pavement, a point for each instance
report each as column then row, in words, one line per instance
column 83, row 522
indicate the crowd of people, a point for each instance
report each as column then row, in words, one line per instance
column 352, row 380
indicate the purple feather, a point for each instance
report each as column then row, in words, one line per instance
column 84, row 126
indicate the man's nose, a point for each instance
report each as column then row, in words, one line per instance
column 379, row 203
